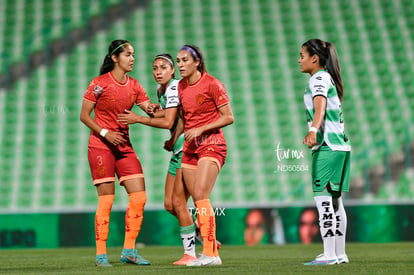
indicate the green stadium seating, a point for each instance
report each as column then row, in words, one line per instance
column 29, row 26
column 402, row 190
column 252, row 47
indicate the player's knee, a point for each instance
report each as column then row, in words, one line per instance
column 168, row 205
column 178, row 203
column 137, row 200
column 201, row 196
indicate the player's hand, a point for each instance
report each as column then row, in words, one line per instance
column 168, row 145
column 115, row 138
column 128, row 117
column 192, row 134
column 152, row 109
column 310, row 139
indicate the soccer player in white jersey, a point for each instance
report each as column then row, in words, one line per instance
column 331, row 149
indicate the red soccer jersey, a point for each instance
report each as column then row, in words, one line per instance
column 200, row 102
column 112, row 98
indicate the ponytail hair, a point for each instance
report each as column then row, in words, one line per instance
column 328, row 58
column 115, row 48
column 196, row 54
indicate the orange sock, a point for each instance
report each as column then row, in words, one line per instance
column 102, row 215
column 134, row 217
column 215, row 250
column 207, row 223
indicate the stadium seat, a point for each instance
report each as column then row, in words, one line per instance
column 252, row 47
column 35, row 24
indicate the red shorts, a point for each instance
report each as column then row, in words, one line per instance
column 105, row 163
column 216, row 153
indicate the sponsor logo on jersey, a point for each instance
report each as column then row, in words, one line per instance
column 97, row 90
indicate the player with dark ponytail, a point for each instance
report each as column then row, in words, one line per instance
column 331, row 149
column 115, row 48
column 206, row 110
column 166, row 116
column 110, row 150
column 328, row 59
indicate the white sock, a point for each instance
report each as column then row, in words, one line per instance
column 189, row 244
column 187, row 234
column 327, row 224
column 341, row 222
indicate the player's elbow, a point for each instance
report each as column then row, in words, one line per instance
column 82, row 117
column 230, row 119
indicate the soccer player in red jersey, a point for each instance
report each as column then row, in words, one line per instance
column 176, row 195
column 206, row 109
column 110, row 150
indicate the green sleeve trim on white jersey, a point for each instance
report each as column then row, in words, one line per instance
column 332, row 130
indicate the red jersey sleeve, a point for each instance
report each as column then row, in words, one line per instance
column 219, row 94
column 142, row 95
column 93, row 92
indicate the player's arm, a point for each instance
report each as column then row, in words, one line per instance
column 148, row 107
column 152, row 109
column 179, row 129
column 159, row 113
column 319, row 103
column 226, row 118
column 165, row 122
column 85, row 116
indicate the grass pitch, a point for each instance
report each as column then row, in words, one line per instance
column 389, row 258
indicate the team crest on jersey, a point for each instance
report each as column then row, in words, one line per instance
column 133, row 98
column 200, row 99
column 97, row 90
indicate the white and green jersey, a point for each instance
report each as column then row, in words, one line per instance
column 332, row 130
column 170, row 99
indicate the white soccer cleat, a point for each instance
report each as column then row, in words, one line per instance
column 343, row 259
column 218, row 260
column 322, row 260
column 205, row 260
